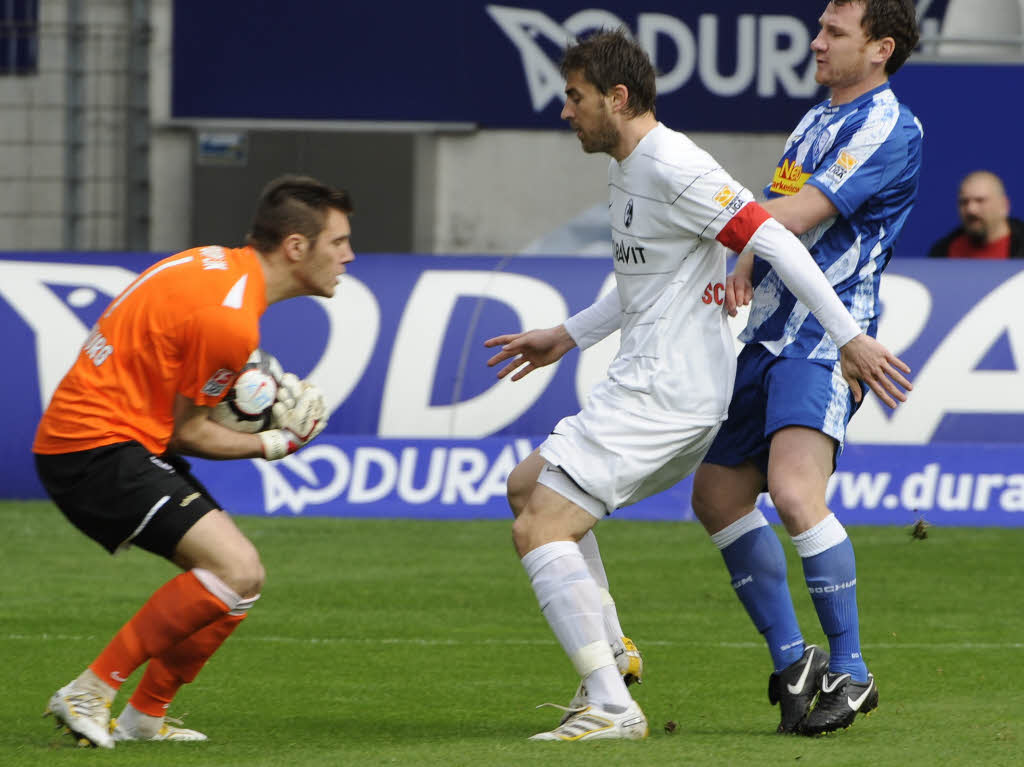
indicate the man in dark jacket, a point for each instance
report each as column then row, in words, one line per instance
column 987, row 230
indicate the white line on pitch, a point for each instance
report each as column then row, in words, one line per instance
column 528, row 642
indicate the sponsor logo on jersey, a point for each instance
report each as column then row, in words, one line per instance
column 629, row 254
column 218, row 382
column 728, row 199
column 847, row 160
column 789, row 178
column 714, row 294
column 724, row 196
column 627, row 218
column 843, row 165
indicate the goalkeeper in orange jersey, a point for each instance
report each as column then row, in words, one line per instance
column 138, row 396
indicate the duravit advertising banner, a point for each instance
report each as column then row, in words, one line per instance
column 421, row 427
column 724, row 65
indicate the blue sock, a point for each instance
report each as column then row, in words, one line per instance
column 832, row 580
column 757, row 565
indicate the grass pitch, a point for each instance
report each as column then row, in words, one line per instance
column 406, row 642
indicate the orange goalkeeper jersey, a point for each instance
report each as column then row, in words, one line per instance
column 186, row 325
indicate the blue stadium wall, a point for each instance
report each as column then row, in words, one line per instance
column 726, row 66
column 420, row 427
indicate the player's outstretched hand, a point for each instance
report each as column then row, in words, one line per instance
column 865, row 359
column 299, row 417
column 529, row 350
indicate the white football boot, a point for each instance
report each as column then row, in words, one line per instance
column 84, row 713
column 132, row 725
column 593, row 723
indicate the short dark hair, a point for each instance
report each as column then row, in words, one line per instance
column 890, row 18
column 293, row 205
column 608, row 58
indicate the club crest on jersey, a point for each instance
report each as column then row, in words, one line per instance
column 218, row 382
column 627, row 217
column 789, row 178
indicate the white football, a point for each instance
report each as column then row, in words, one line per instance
column 247, row 405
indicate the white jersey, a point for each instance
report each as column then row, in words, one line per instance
column 673, row 213
column 671, row 206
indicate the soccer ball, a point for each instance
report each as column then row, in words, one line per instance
column 246, row 406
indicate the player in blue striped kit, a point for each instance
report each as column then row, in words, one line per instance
column 845, row 184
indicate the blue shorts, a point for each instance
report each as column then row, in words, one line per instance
column 772, row 392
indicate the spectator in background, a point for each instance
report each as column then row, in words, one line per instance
column 986, row 230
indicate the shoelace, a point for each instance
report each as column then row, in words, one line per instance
column 566, row 709
column 164, row 728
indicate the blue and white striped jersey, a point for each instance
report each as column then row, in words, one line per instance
column 865, row 156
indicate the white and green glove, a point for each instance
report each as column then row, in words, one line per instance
column 298, row 417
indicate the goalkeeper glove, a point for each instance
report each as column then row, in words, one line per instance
column 299, row 416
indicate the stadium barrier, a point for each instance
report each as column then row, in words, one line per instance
column 421, row 428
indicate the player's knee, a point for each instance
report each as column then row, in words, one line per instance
column 244, row 573
column 520, row 485
column 791, row 500
column 521, row 532
column 706, row 501
column 529, row 532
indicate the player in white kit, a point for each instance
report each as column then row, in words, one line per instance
column 673, row 211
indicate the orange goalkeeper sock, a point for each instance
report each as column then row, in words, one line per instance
column 182, row 663
column 178, row 609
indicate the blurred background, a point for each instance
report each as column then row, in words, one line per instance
column 150, row 125
column 130, row 129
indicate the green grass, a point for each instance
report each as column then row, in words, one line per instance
column 404, row 642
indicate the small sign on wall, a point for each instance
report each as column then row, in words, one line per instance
column 230, row 148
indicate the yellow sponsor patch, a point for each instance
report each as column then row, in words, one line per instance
column 724, row 196
column 788, row 178
column 847, row 160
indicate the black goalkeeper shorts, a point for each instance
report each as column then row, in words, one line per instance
column 122, row 494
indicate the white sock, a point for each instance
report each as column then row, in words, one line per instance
column 88, row 680
column 138, row 724
column 822, row 537
column 592, row 555
column 605, row 688
column 571, row 602
column 729, row 534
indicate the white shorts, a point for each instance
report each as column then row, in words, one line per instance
column 612, row 457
